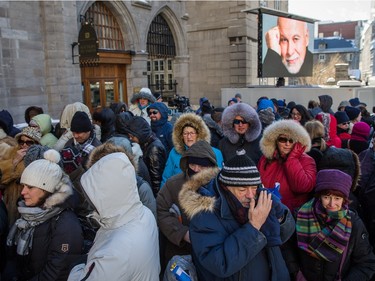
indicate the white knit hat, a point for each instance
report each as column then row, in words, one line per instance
column 44, row 173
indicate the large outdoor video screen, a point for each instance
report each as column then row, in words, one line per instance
column 285, row 47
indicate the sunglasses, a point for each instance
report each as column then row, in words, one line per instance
column 28, row 142
column 345, row 123
column 284, row 140
column 237, row 122
column 153, row 112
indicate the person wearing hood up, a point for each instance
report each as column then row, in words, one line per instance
column 6, row 123
column 140, row 102
column 284, row 145
column 162, row 128
column 44, row 123
column 154, row 154
column 126, row 246
column 236, row 226
column 106, row 119
column 188, row 129
column 242, row 130
column 172, row 220
column 329, row 121
column 66, row 120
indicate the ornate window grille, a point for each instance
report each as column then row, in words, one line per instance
column 161, row 53
column 106, row 27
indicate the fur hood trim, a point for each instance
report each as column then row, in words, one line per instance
column 64, row 190
column 115, row 144
column 290, row 128
column 191, row 120
column 193, row 202
column 249, row 114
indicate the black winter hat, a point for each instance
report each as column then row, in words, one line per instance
column 341, row 117
column 80, row 122
column 240, row 170
column 352, row 112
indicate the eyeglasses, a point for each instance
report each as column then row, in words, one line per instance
column 237, row 122
column 284, row 140
column 189, row 134
column 28, row 142
column 153, row 112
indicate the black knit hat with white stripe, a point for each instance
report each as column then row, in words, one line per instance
column 240, row 171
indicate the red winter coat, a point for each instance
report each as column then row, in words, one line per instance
column 296, row 173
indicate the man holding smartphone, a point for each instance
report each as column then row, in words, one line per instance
column 236, row 225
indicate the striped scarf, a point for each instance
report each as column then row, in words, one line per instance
column 324, row 235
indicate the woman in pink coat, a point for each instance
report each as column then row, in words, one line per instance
column 284, row 145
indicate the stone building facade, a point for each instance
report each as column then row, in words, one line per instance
column 215, row 47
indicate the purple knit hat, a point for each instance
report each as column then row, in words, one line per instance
column 332, row 179
column 360, row 132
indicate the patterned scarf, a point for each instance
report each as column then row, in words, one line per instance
column 22, row 232
column 324, row 235
column 74, row 156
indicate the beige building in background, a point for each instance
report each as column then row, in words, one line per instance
column 189, row 48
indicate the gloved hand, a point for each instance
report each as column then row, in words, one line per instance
column 271, row 229
column 297, row 151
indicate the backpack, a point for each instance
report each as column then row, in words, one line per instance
column 184, row 263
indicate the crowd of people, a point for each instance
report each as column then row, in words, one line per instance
column 272, row 191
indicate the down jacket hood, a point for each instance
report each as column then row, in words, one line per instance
column 69, row 111
column 44, row 122
column 325, row 102
column 191, row 200
column 249, row 114
column 6, row 122
column 110, row 184
column 163, row 109
column 200, row 149
column 290, row 128
column 191, row 120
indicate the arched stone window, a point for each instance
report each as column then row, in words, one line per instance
column 161, row 51
column 106, row 27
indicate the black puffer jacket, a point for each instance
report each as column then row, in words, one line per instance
column 154, row 153
column 57, row 243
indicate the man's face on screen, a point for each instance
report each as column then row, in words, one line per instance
column 294, row 38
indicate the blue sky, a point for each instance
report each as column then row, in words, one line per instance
column 335, row 10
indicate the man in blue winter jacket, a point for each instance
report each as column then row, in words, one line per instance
column 236, row 227
column 158, row 113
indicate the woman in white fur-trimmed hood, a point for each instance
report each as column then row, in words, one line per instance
column 284, row 145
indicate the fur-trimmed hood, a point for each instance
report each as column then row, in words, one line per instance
column 63, row 191
column 290, row 128
column 249, row 114
column 113, row 145
column 191, row 200
column 144, row 93
column 191, row 120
